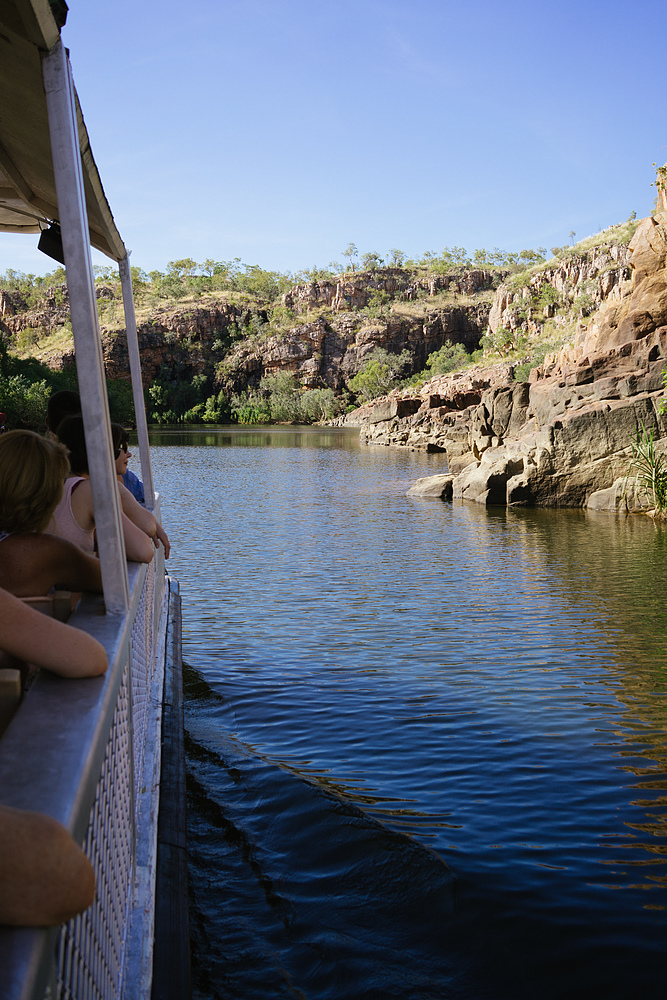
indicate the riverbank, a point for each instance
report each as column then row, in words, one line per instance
column 563, row 436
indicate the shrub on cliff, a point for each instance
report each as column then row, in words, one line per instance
column 449, row 358
column 381, row 373
column 650, row 469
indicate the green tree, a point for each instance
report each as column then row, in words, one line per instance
column 284, row 394
column 381, row 373
column 449, row 358
column 250, row 408
column 351, row 253
column 320, row 404
column 371, row 261
column 24, row 402
column 396, row 258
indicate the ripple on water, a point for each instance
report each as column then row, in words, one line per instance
column 485, row 687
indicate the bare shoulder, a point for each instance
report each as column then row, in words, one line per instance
column 30, row 564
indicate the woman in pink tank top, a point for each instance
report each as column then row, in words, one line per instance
column 65, row 525
column 76, row 515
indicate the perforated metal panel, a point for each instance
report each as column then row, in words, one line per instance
column 91, row 946
column 90, row 953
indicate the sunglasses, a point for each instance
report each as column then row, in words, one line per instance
column 122, row 447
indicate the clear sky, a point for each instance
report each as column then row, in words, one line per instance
column 279, row 131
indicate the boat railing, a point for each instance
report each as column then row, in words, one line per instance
column 87, row 752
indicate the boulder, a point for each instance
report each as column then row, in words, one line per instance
column 486, row 482
column 648, row 246
column 622, row 496
column 433, row 487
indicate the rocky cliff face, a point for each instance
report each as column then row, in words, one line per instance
column 581, row 282
column 333, row 348
column 562, row 438
column 357, row 290
column 329, row 330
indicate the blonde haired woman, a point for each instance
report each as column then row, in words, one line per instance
column 32, row 473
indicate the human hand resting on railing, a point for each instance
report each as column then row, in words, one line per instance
column 161, row 536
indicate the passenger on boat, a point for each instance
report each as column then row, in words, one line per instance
column 32, row 471
column 45, row 878
column 75, row 517
column 122, row 454
column 59, row 406
column 135, row 510
column 66, row 402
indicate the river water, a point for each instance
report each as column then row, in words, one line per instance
column 425, row 741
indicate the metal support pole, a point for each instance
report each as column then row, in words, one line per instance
column 137, row 385
column 83, row 310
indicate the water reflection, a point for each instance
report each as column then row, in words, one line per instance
column 243, row 436
column 489, row 682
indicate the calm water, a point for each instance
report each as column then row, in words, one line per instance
column 426, row 741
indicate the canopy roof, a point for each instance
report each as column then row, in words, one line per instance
column 27, row 183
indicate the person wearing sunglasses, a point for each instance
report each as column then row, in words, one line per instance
column 122, row 454
column 132, row 507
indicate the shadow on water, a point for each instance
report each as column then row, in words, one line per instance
column 315, row 893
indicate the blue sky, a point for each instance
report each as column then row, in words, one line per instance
column 278, row 132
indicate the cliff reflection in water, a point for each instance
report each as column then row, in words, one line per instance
column 380, row 685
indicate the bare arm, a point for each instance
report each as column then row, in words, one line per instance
column 48, row 643
column 138, row 545
column 162, row 536
column 136, row 513
column 143, row 519
column 45, row 878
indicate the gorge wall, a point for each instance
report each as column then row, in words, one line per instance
column 326, row 331
column 562, row 437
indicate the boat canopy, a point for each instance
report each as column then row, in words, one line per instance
column 48, row 175
column 28, row 199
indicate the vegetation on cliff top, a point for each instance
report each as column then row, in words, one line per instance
column 257, row 311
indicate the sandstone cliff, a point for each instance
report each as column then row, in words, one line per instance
column 563, row 436
column 321, row 331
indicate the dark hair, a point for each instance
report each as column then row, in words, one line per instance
column 70, row 432
column 120, row 438
column 61, row 405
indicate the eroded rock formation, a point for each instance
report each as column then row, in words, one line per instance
column 564, row 436
column 237, row 345
column 355, row 291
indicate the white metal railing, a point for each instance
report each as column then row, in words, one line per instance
column 88, row 753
